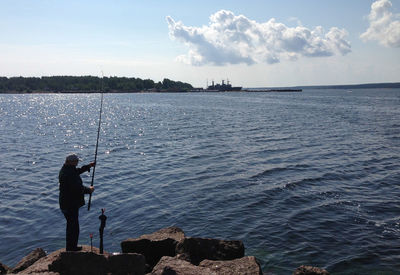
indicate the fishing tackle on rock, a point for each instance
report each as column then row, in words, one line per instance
column 91, row 242
column 102, row 219
column 97, row 145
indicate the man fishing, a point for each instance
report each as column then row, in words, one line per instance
column 71, row 197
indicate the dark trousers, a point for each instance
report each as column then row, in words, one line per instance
column 72, row 232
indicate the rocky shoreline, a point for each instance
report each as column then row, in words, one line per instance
column 165, row 252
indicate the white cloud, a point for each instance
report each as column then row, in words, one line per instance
column 382, row 25
column 231, row 39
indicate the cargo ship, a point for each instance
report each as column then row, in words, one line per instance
column 223, row 87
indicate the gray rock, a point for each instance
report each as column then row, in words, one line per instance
column 29, row 259
column 156, row 245
column 174, row 266
column 310, row 270
column 79, row 263
column 42, row 265
column 3, row 268
column 89, row 263
column 131, row 263
column 244, row 266
column 199, row 249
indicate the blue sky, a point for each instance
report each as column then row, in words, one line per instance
column 253, row 43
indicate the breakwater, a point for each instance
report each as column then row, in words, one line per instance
column 166, row 251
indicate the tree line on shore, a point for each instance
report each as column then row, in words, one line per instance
column 87, row 84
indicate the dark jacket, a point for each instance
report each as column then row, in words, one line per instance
column 71, row 187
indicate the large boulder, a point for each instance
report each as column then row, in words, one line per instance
column 42, row 265
column 130, row 263
column 174, row 266
column 29, row 259
column 156, row 245
column 244, row 266
column 88, row 263
column 310, row 270
column 79, row 263
column 199, row 249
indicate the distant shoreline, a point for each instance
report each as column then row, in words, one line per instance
column 387, row 85
column 353, row 86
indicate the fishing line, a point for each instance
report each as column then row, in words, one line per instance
column 97, row 142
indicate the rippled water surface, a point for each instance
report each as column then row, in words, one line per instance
column 302, row 178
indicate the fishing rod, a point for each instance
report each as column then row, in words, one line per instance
column 97, row 142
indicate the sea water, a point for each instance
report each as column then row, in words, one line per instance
column 301, row 178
